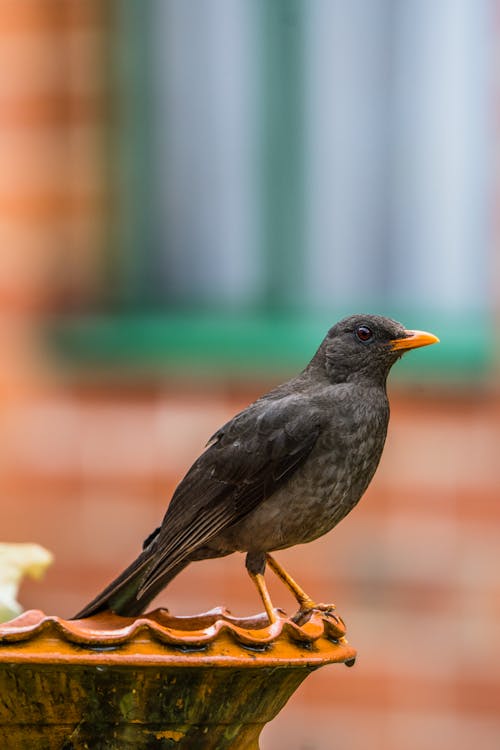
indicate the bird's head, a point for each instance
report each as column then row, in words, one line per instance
column 366, row 347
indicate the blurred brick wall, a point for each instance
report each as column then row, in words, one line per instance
column 88, row 472
column 53, row 190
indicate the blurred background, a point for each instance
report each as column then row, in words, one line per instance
column 191, row 193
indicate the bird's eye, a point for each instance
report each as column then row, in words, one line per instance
column 364, row 333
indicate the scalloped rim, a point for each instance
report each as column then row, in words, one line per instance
column 107, row 629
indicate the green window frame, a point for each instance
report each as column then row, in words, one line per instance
column 137, row 331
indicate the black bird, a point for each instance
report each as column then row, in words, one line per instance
column 284, row 471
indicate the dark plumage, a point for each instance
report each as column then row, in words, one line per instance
column 282, row 472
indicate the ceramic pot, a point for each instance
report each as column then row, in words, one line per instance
column 154, row 682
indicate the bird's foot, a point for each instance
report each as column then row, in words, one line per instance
column 307, row 607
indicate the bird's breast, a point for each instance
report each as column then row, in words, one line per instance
column 320, row 493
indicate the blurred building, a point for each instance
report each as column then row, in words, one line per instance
column 190, row 194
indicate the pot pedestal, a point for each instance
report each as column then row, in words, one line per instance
column 153, row 682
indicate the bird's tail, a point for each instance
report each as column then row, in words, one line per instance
column 121, row 596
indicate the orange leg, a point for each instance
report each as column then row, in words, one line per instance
column 305, row 601
column 258, row 579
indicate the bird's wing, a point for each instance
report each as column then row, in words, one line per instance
column 248, row 459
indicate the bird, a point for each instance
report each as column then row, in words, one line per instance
column 282, row 472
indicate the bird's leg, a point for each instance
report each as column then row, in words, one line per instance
column 303, row 599
column 256, row 564
column 306, row 603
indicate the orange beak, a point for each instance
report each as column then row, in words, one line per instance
column 414, row 339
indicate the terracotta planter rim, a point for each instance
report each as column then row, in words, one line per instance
column 211, row 638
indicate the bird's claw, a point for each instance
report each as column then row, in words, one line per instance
column 307, row 608
column 324, row 607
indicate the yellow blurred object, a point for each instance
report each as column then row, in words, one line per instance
column 17, row 561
